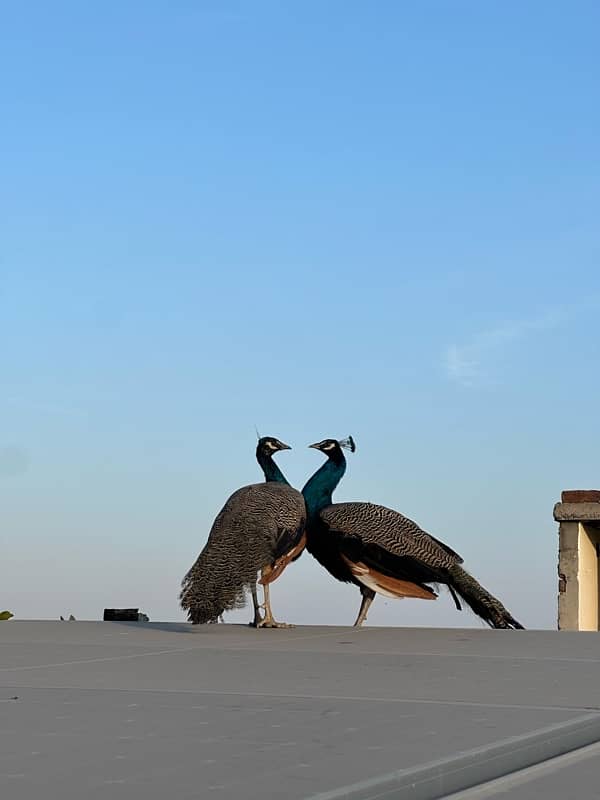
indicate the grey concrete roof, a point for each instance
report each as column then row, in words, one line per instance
column 110, row 710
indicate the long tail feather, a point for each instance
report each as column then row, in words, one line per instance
column 211, row 587
column 480, row 601
column 455, row 598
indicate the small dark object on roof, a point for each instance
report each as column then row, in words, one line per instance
column 121, row 614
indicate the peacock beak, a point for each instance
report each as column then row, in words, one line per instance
column 284, row 446
column 316, row 445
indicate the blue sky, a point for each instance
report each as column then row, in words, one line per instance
column 319, row 218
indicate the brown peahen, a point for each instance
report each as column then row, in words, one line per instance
column 261, row 528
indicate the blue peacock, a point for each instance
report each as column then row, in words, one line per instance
column 261, row 528
column 382, row 551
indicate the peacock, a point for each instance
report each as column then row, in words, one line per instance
column 261, row 528
column 382, row 551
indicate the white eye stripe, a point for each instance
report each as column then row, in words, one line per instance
column 328, row 446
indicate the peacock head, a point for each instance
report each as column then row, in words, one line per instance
column 268, row 445
column 333, row 447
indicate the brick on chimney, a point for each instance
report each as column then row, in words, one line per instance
column 581, row 496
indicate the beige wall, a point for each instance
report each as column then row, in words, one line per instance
column 578, row 599
column 588, row 578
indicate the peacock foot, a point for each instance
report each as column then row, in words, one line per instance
column 257, row 622
column 269, row 622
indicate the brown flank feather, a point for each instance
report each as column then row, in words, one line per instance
column 394, row 586
column 269, row 574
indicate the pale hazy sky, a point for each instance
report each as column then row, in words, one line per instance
column 319, row 218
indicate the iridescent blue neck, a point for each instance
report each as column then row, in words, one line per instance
column 319, row 489
column 270, row 469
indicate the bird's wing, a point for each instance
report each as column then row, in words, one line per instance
column 259, row 510
column 291, row 536
column 382, row 527
column 245, row 533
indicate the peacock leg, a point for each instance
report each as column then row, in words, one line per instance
column 269, row 621
column 368, row 595
column 256, row 623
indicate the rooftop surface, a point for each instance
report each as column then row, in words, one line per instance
column 151, row 710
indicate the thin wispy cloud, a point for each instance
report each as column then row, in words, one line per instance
column 470, row 363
